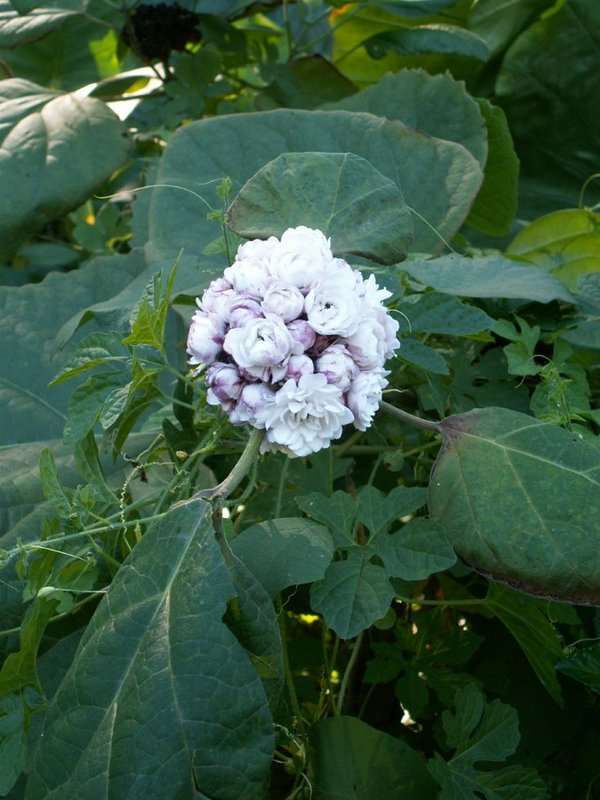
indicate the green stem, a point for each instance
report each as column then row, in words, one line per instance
column 289, row 678
column 467, row 602
column 411, row 419
column 237, row 474
column 348, row 672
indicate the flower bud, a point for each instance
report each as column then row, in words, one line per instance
column 302, row 334
column 337, row 365
column 224, row 384
column 250, row 407
column 364, row 397
column 205, row 338
column 261, row 343
column 242, row 311
column 217, row 298
column 298, row 366
column 367, row 344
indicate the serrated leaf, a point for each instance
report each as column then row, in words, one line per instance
column 377, row 511
column 149, row 633
column 362, row 211
column 337, row 512
column 519, row 501
column 416, row 551
column 284, row 552
column 487, row 276
column 353, row 595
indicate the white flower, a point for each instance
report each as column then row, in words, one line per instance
column 251, row 404
column 367, row 344
column 303, row 417
column 370, row 293
column 332, row 307
column 217, row 298
column 390, row 329
column 298, row 366
column 283, row 300
column 303, row 335
column 261, row 343
column 338, row 366
column 303, row 257
column 224, row 384
column 251, row 272
column 364, row 397
column 243, row 310
column 205, row 338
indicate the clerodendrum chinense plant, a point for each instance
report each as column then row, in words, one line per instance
column 336, row 549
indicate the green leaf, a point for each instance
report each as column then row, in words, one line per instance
column 519, row 501
column 416, row 551
column 534, row 632
column 19, row 669
column 85, row 405
column 341, row 194
column 495, row 207
column 144, row 653
column 30, row 317
column 583, row 664
column 338, row 512
column 498, row 23
column 51, row 485
column 566, row 243
column 19, row 29
column 239, row 145
column 353, row 595
column 422, row 356
column 437, row 313
column 149, row 317
column 73, row 144
column 307, row 83
column 354, row 761
column 13, row 742
column 377, row 511
column 415, row 8
column 434, row 104
column 285, row 552
column 427, row 39
column 487, row 276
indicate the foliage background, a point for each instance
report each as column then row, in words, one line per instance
column 327, row 642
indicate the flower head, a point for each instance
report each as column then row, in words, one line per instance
column 295, row 342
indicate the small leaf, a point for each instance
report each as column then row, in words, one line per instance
column 51, row 485
column 416, row 551
column 285, row 552
column 341, row 194
column 421, row 355
column 583, row 665
column 338, row 512
column 353, row 595
column 377, row 511
column 428, row 39
column 438, row 313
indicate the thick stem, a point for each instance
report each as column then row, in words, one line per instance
column 237, row 474
column 411, row 419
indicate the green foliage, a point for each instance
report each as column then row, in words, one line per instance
column 377, row 619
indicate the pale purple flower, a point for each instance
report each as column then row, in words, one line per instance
column 217, row 298
column 364, row 397
column 298, row 366
column 284, row 300
column 243, row 310
column 332, row 307
column 250, row 407
column 261, row 343
column 337, row 365
column 205, row 338
column 303, row 335
column 367, row 344
column 224, row 384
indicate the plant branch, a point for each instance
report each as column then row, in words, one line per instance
column 348, row 672
column 237, row 474
column 411, row 419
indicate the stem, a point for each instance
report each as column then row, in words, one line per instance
column 411, row 419
column 237, row 474
column 348, row 672
column 467, row 602
column 289, row 678
column 280, row 488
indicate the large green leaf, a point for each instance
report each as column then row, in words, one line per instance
column 353, row 594
column 487, row 276
column 341, row 194
column 56, row 149
column 147, row 710
column 566, row 243
column 519, row 501
column 548, row 88
column 354, row 761
column 438, row 179
column 438, row 313
column 30, row 317
column 434, row 104
column 285, row 552
column 498, row 23
column 306, row 83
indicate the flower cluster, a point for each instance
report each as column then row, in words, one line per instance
column 295, row 342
